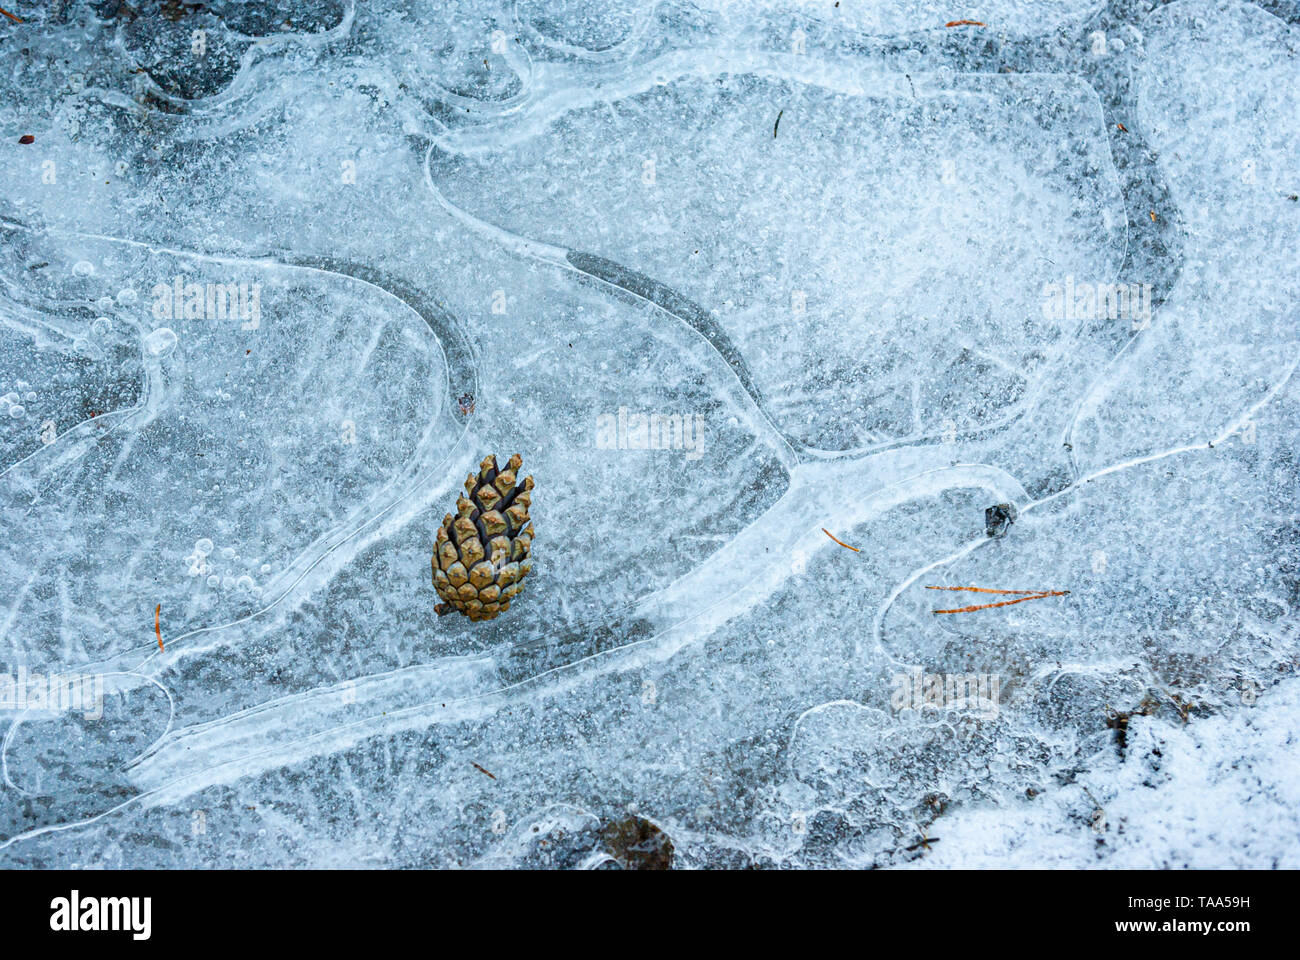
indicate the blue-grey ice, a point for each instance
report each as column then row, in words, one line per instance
column 731, row 277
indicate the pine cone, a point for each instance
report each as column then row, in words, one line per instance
column 482, row 555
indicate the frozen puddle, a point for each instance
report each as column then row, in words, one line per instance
column 1010, row 307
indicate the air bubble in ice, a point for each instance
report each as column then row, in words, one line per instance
column 161, row 342
column 17, row 411
column 214, row 581
column 127, row 296
column 83, row 268
column 203, row 547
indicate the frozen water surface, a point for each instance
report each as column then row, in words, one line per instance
column 888, row 273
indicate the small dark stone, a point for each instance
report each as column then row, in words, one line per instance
column 637, row 844
column 998, row 519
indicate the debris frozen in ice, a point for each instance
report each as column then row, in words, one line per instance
column 273, row 281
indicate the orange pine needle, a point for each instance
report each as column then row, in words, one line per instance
column 10, row 15
column 965, row 23
column 157, row 627
column 1044, row 593
column 990, row 606
column 1005, row 603
column 839, row 541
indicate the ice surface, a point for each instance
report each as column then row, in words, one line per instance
column 825, row 236
column 1192, row 797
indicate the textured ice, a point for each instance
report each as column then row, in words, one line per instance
column 257, row 254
